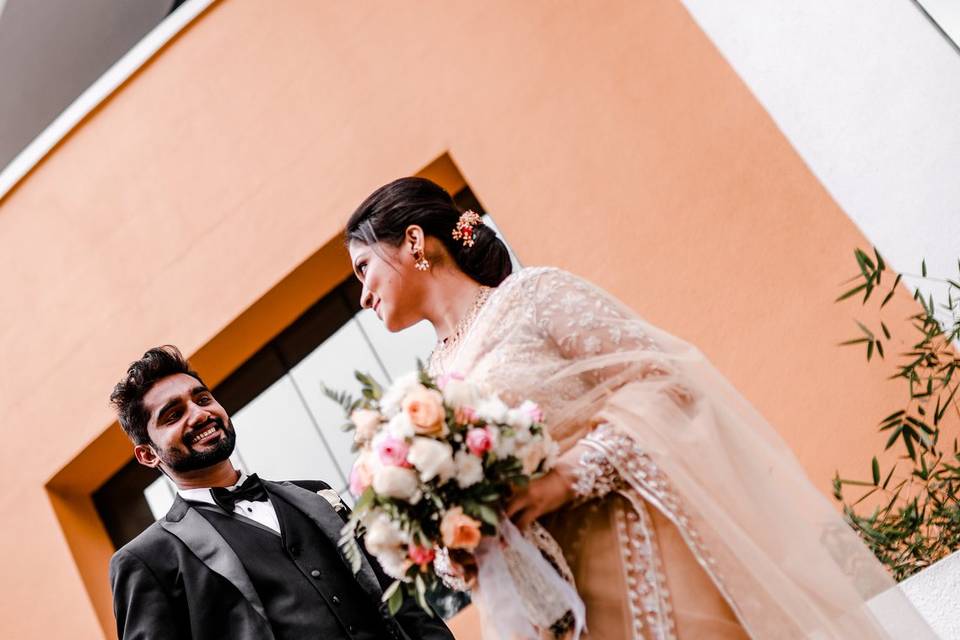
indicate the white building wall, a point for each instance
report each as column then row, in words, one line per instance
column 868, row 93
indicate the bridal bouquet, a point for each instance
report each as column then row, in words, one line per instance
column 438, row 461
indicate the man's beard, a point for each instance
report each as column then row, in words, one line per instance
column 177, row 460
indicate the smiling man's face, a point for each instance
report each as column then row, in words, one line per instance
column 188, row 428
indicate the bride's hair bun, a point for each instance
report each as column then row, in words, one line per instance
column 387, row 212
column 487, row 261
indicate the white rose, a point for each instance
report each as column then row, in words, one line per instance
column 492, row 409
column 504, row 446
column 397, row 482
column 432, row 458
column 382, row 534
column 385, row 540
column 459, row 393
column 393, row 397
column 394, row 563
column 535, row 452
column 400, row 426
column 518, row 419
column 469, row 469
column 367, row 423
column 523, row 436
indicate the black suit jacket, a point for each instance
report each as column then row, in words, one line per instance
column 180, row 579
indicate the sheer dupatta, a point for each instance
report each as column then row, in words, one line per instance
column 686, row 441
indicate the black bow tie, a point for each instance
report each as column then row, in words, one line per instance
column 251, row 489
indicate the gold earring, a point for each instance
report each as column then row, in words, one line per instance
column 422, row 263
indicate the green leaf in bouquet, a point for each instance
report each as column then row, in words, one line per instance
column 488, row 514
column 395, row 598
column 521, row 481
column 342, row 398
column 424, row 376
column 348, row 542
column 421, row 593
column 371, row 388
column 364, row 501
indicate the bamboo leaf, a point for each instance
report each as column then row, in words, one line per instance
column 894, row 415
column 946, row 404
column 908, row 442
column 851, row 292
column 876, row 471
column 887, row 480
column 880, row 263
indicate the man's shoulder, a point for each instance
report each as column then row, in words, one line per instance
column 153, row 542
column 310, row 485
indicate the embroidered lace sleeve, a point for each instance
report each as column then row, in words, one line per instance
column 587, row 323
column 595, row 476
column 590, row 327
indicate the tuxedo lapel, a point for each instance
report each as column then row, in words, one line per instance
column 208, row 545
column 322, row 513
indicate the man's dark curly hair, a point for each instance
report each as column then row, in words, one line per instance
column 127, row 396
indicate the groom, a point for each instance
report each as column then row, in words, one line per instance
column 235, row 557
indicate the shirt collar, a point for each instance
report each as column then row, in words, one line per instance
column 203, row 494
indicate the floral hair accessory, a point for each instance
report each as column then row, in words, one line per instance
column 464, row 229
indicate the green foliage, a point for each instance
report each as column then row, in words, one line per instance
column 917, row 521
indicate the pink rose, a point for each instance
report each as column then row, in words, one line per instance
column 422, row 556
column 479, row 441
column 447, row 377
column 459, row 531
column 464, row 415
column 533, row 410
column 393, row 452
column 425, row 408
column 361, row 476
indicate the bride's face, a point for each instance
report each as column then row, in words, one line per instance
column 390, row 283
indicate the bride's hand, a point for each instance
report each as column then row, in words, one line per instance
column 542, row 496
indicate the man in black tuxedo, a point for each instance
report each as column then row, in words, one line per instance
column 235, row 557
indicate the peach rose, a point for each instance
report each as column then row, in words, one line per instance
column 425, row 408
column 459, row 531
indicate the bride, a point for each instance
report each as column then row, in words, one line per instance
column 680, row 511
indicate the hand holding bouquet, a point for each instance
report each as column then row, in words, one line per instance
column 438, row 461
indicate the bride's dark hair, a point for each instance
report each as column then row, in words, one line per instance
column 387, row 212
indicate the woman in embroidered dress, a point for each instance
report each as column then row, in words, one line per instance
column 680, row 511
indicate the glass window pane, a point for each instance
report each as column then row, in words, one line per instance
column 397, row 351
column 332, row 364
column 278, row 440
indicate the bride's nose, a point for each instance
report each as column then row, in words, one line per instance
column 366, row 299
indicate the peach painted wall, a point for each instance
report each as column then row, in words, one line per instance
column 608, row 138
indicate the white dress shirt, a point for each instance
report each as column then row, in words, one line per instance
column 262, row 512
